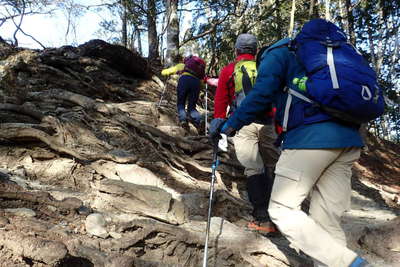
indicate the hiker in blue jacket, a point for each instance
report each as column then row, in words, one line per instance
column 316, row 160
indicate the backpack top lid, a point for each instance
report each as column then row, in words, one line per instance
column 195, row 65
column 193, row 58
column 312, row 42
column 320, row 29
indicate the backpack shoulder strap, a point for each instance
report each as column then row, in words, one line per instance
column 231, row 82
column 231, row 77
column 287, row 42
column 260, row 53
column 291, row 93
column 246, row 82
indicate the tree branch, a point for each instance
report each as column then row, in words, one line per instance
column 206, row 32
column 20, row 29
column 214, row 24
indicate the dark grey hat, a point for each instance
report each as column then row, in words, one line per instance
column 246, row 43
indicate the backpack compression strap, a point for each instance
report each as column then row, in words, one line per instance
column 331, row 64
column 344, row 117
column 292, row 93
column 246, row 82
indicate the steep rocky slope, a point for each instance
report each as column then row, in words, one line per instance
column 96, row 172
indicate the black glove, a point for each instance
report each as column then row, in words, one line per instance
column 215, row 129
column 218, row 126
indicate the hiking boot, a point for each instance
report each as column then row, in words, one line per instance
column 360, row 262
column 260, row 214
column 264, row 228
column 184, row 125
column 201, row 130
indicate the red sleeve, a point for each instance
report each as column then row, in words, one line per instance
column 223, row 95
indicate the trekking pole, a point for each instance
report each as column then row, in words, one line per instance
column 206, row 118
column 163, row 92
column 213, row 168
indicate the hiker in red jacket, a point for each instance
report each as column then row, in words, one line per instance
column 253, row 143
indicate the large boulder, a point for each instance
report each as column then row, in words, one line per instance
column 145, row 200
column 127, row 62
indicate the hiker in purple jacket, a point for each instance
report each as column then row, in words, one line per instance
column 189, row 84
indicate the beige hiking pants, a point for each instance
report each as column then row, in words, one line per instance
column 326, row 175
column 255, row 149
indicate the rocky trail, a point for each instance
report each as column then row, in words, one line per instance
column 94, row 172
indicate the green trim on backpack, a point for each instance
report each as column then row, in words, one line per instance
column 244, row 74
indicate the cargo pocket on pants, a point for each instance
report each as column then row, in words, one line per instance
column 287, row 190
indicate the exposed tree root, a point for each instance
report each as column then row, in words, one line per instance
column 43, row 198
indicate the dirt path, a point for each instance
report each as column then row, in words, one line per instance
column 366, row 212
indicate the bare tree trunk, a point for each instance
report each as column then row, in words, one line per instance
column 292, row 13
column 350, row 21
column 395, row 57
column 311, row 10
column 278, row 21
column 342, row 18
column 382, row 43
column 213, row 60
column 370, row 29
column 384, row 127
column 377, row 51
column 124, row 18
column 347, row 19
column 172, row 31
column 371, row 43
column 139, row 40
column 131, row 40
column 152, row 30
column 327, row 10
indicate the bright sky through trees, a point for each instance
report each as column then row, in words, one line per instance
column 51, row 31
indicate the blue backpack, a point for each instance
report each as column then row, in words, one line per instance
column 338, row 80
